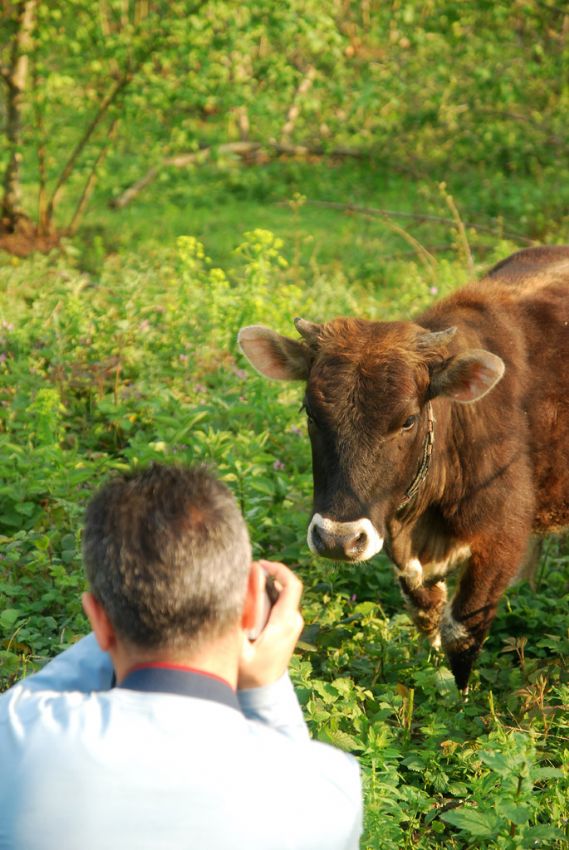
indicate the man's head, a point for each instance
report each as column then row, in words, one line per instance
column 167, row 555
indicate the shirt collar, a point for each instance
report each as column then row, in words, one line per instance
column 177, row 679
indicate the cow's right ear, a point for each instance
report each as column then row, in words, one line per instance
column 467, row 376
column 273, row 355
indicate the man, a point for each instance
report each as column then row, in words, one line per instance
column 201, row 743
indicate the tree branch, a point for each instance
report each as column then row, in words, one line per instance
column 243, row 149
column 91, row 179
column 67, row 170
column 294, row 110
column 128, row 75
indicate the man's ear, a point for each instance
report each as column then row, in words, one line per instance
column 468, row 376
column 100, row 623
column 253, row 597
column 273, row 355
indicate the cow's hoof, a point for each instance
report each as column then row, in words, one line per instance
column 461, row 664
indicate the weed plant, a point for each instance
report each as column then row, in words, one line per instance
column 140, row 364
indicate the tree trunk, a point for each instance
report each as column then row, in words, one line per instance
column 15, row 77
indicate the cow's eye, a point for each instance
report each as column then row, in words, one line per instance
column 409, row 423
column 309, row 417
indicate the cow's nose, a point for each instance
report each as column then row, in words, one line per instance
column 343, row 541
column 341, row 547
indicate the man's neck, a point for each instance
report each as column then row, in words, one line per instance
column 218, row 658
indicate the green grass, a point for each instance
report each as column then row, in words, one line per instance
column 217, row 205
column 137, row 361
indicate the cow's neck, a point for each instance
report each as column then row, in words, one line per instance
column 422, row 515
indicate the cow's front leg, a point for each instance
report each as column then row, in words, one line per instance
column 467, row 617
column 425, row 602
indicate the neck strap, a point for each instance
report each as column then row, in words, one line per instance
column 423, row 469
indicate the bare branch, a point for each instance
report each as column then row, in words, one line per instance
column 243, row 123
column 92, row 179
column 130, row 194
column 294, row 110
column 243, row 149
column 41, row 154
column 67, row 170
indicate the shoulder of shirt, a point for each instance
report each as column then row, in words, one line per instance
column 337, row 766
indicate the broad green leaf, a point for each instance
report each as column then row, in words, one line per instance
column 472, row 821
column 9, row 616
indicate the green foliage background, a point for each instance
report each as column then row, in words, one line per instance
column 140, row 364
column 120, row 348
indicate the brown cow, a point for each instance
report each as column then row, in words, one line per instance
column 444, row 440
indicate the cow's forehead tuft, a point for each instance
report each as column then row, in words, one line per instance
column 365, row 374
column 359, row 342
column 371, row 395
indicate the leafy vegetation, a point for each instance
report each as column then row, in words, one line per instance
column 211, row 164
column 103, row 94
column 140, row 363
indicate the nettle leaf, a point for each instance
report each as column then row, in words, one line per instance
column 517, row 814
column 496, row 762
column 414, row 763
column 328, row 692
column 340, row 739
column 457, row 789
column 444, row 681
column 540, row 773
column 542, row 832
column 481, row 824
column 9, row 616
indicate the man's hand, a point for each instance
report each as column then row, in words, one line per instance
column 264, row 660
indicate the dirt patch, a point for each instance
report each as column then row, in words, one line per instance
column 26, row 240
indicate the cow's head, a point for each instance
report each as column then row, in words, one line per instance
column 368, row 385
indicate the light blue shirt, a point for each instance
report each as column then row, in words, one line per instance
column 85, row 767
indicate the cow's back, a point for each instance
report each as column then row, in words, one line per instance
column 532, row 288
column 520, row 311
column 543, row 310
column 531, row 268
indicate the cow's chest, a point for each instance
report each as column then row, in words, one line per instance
column 427, row 548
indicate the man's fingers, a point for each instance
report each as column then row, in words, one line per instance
column 291, row 585
column 299, row 624
column 266, row 659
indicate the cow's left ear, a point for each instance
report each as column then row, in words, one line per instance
column 273, row 355
column 467, row 376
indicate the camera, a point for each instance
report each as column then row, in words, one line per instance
column 270, row 596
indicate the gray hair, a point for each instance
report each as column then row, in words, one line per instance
column 167, row 555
